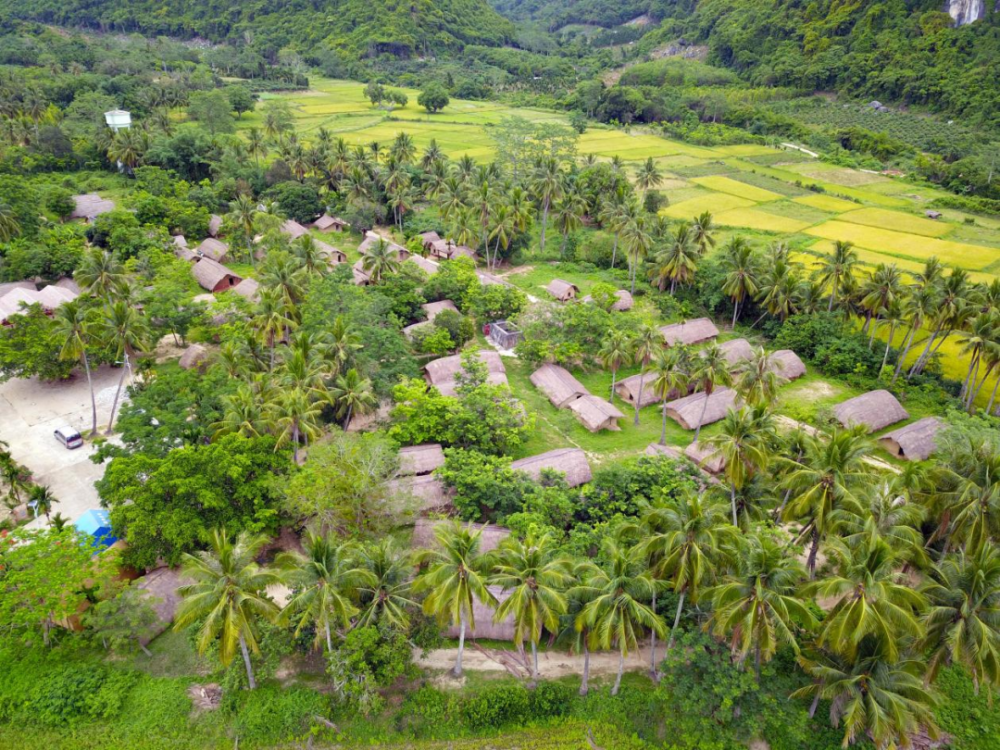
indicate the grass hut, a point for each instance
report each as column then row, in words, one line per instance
column 427, row 239
column 705, row 457
column 429, row 267
column 214, row 225
column 628, row 390
column 194, row 356
column 428, row 492
column 415, row 460
column 327, row 223
column 736, row 351
column 489, row 539
column 412, row 330
column 569, row 461
column 162, row 586
column 333, row 255
column 361, row 277
column 371, row 239
column 655, row 449
column 875, row 410
column 787, row 364
column 179, row 240
column 293, row 229
column 623, row 301
column 213, row 276
column 249, row 289
column 687, row 411
column 595, row 413
column 558, row 385
column 432, row 309
column 482, row 616
column 914, row 442
column 213, row 249
column 90, row 206
column 689, row 332
column 446, row 369
column 562, row 291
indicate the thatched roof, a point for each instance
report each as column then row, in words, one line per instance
column 67, row 282
column 736, row 351
column 689, row 332
column 333, row 255
column 248, row 289
column 208, row 273
column 180, row 240
column 186, row 253
column 429, row 267
column 429, row 238
column 483, row 618
column 787, row 364
column 49, row 298
column 194, row 356
column 450, row 387
column 875, row 410
column 52, row 296
column 411, row 330
column 655, row 449
column 326, row 221
column 706, row 457
column 10, row 286
column 623, row 303
column 214, row 225
column 570, row 461
column 293, row 229
column 914, row 442
column 420, row 459
column 562, row 290
column 430, row 493
column 371, row 238
column 558, row 385
column 447, row 368
column 214, row 249
column 595, row 413
column 162, row 584
column 361, row 277
column 687, row 411
column 90, row 206
column 488, row 279
column 433, row 308
column 489, row 539
column 628, row 389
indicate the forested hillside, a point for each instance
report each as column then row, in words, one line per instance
column 363, row 27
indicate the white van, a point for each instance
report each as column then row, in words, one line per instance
column 69, row 437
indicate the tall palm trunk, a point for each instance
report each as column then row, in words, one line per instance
column 534, row 661
column 638, row 401
column 614, row 251
column 677, row 620
column 652, row 642
column 704, row 408
column 93, row 397
column 663, row 423
column 621, row 669
column 919, row 363
column 585, row 681
column 545, row 221
column 968, row 376
column 246, row 662
column 732, row 500
column 813, row 551
column 295, row 443
column 888, row 343
column 989, row 408
column 907, row 344
column 461, row 645
column 329, row 639
column 833, row 294
column 614, row 377
column 736, row 309
column 118, row 392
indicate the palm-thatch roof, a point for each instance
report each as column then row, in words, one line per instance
column 570, row 461
column 162, row 585
column 371, row 239
column 214, row 225
column 623, row 301
column 450, row 387
column 736, row 351
column 325, row 222
column 433, row 308
column 489, row 539
column 628, row 390
column 562, row 290
column 786, row 364
column 595, row 413
column 447, row 368
column 49, row 298
column 482, row 616
column 361, row 277
column 428, row 491
column 558, row 385
column 705, row 457
column 914, row 442
column 210, row 275
column 10, row 286
column 875, row 410
column 90, row 206
column 293, row 229
column 689, row 332
column 411, row 330
column 428, row 237
column 655, row 449
column 213, row 248
column 488, row 279
column 420, row 459
column 194, row 356
column 333, row 255
column 687, row 411
column 180, row 240
column 52, row 296
column 426, row 265
column 248, row 289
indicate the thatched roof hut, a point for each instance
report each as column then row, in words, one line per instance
column 334, row 256
column 736, row 351
column 213, row 276
column 488, row 279
column 420, row 459
column 689, row 332
column 162, row 584
column 427, row 239
column 558, row 385
column 914, row 442
column 450, row 387
column 213, row 249
column 248, row 289
column 214, row 225
column 428, row 491
column 787, row 364
column 570, row 461
column 655, row 449
column 875, row 410
column 562, row 290
column 67, row 282
column 293, row 229
column 90, row 206
column 194, row 356
column 10, row 286
column 411, row 330
column 180, row 240
column 327, row 223
column 482, row 616
column 623, row 301
column 447, row 368
column 52, row 296
column 489, row 539
column 706, row 457
column 595, row 413
column 433, row 308
column 687, row 411
column 361, row 277
column 628, row 390
column 429, row 267
column 371, row 239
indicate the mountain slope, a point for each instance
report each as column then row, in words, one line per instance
column 362, row 27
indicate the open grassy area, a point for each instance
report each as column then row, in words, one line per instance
column 897, row 222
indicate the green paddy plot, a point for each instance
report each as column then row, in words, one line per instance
column 837, row 175
column 897, row 221
column 826, row 203
column 747, row 149
column 737, row 188
column 751, row 218
column 716, row 204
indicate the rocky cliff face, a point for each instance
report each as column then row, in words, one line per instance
column 966, row 11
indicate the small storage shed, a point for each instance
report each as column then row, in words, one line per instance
column 428, row 491
column 563, row 291
column 213, row 276
column 96, row 524
column 736, row 351
column 505, row 334
column 628, row 390
column 214, row 225
column 655, row 449
column 432, row 309
column 876, row 410
column 427, row 239
column 689, row 332
column 334, row 256
column 687, row 411
column 327, row 223
column 572, row 462
column 371, row 239
column 248, row 289
column 914, row 442
column 595, row 413
column 623, row 301
column 447, row 368
column 787, row 364
column 90, row 206
column 489, row 538
column 558, row 385
column 429, row 267
column 415, row 460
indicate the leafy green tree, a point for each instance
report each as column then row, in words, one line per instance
column 384, row 595
column 434, row 97
column 124, row 332
column 28, row 348
column 125, row 621
column 240, row 99
column 212, row 109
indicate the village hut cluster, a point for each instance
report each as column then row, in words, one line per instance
column 566, row 392
column 17, row 295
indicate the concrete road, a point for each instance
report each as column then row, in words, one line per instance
column 31, row 410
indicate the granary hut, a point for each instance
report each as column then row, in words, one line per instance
column 90, row 206
column 213, row 249
column 332, row 254
column 213, row 276
column 214, row 225
column 162, row 587
column 248, row 289
column 689, row 332
column 195, row 356
column 293, row 229
column 595, row 413
column 628, row 390
column 569, row 461
column 442, row 373
column 787, row 364
column 489, row 538
column 687, row 411
column 558, row 385
column 706, row 457
column 563, row 291
column 875, row 410
column 736, row 351
column 327, row 223
column 415, row 460
column 914, row 442
column 623, row 301
column 429, row 267
column 432, row 309
column 428, row 491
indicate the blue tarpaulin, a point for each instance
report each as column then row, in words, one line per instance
column 97, row 524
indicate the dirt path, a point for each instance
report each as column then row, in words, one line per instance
column 551, row 664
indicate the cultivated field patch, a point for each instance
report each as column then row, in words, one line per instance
column 826, row 203
column 837, row 175
column 737, row 188
column 751, row 218
column 716, row 204
column 897, row 221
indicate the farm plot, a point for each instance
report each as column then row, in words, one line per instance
column 837, row 175
column 870, row 258
column 716, row 204
column 897, row 222
column 737, row 188
column 826, row 203
column 750, row 218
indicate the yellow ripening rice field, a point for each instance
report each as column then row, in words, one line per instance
column 971, row 257
column 750, row 218
column 737, row 188
column 897, row 221
column 870, row 258
column 715, row 204
column 826, row 203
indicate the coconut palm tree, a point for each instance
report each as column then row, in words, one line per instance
column 100, row 274
column 293, row 416
column 71, row 329
column 916, row 308
column 570, row 211
column 455, row 576
column 741, row 266
column 880, row 291
column 124, row 332
column 242, row 214
column 635, row 236
column 273, row 319
column 757, row 606
column 228, row 596
column 256, row 145
column 10, row 226
column 883, row 513
column 284, row 272
column 950, row 310
column 758, row 381
column 615, row 613
column 611, row 217
column 615, row 351
column 670, row 376
column 974, row 506
column 648, row 176
column 548, row 186
column 837, row 267
column 647, row 341
column 709, row 370
column 780, row 285
column 534, row 577
column 745, row 441
column 702, row 229
column 385, row 596
column 677, row 260
column 242, row 413
column 352, row 394
column 15, row 477
column 324, row 579
column 380, row 260
column 40, row 497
